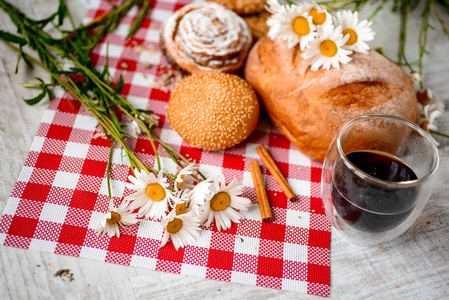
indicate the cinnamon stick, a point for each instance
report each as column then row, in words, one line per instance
column 276, row 172
column 261, row 193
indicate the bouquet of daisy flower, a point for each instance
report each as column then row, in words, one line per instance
column 325, row 39
column 329, row 40
column 182, row 208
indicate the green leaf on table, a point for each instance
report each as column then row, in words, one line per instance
column 36, row 99
column 62, row 12
column 44, row 22
column 45, row 91
column 45, row 88
column 120, row 84
column 12, row 38
column 18, row 60
column 143, row 11
column 99, row 108
column 26, row 60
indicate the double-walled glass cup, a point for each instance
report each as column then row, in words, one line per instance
column 377, row 177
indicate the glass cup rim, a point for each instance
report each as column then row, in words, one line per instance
column 370, row 178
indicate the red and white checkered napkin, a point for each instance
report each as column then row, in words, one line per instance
column 62, row 190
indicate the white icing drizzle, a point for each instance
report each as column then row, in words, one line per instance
column 207, row 35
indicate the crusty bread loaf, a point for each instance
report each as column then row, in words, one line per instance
column 213, row 110
column 309, row 107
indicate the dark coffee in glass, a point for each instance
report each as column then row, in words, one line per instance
column 377, row 177
column 366, row 205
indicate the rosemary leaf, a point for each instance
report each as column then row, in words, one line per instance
column 12, row 38
column 62, row 12
column 36, row 99
column 140, row 17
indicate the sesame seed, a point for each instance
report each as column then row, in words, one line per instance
column 213, row 110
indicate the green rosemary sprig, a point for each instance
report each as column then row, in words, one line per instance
column 83, row 79
column 32, row 33
column 108, row 22
column 143, row 11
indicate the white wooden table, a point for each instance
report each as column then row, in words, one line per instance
column 416, row 265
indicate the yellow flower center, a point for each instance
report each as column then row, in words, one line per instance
column 174, row 226
column 180, row 208
column 317, row 17
column 179, row 184
column 301, row 26
column 328, row 48
column 115, row 218
column 220, row 201
column 155, row 192
column 352, row 36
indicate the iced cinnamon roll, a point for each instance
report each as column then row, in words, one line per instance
column 206, row 36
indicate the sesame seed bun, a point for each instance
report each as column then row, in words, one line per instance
column 213, row 110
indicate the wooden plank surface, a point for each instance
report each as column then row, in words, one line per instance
column 414, row 266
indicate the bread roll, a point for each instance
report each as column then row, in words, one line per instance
column 243, row 7
column 213, row 110
column 206, row 36
column 257, row 24
column 309, row 107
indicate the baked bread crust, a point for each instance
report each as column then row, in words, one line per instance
column 206, row 36
column 309, row 107
column 243, row 7
column 213, row 110
column 257, row 24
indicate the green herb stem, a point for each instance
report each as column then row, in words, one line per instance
column 439, row 133
column 108, row 171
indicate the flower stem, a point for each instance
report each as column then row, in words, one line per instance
column 163, row 144
column 108, row 172
column 439, row 133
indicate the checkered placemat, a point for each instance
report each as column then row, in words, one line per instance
column 62, row 189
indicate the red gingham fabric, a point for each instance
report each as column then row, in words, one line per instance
column 62, row 189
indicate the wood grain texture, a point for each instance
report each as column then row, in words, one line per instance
column 417, row 262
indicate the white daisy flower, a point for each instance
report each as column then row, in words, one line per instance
column 136, row 131
column 182, row 229
column 359, row 32
column 427, row 115
column 222, row 205
column 199, row 195
column 152, row 195
column 327, row 49
column 184, row 179
column 152, row 117
column 180, row 202
column 319, row 14
column 292, row 24
column 274, row 6
column 110, row 221
column 427, row 96
column 415, row 77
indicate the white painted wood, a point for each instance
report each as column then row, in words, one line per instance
column 417, row 262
